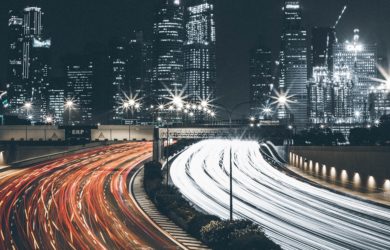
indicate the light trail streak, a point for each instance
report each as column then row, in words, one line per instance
column 63, row 204
column 293, row 213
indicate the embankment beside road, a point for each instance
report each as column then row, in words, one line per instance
column 362, row 167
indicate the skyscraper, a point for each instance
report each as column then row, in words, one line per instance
column 32, row 29
column 200, row 51
column 168, row 57
column 293, row 59
column 118, row 61
column 15, row 88
column 140, row 74
column 140, row 66
column 359, row 60
column 56, row 104
column 322, row 41
column 320, row 94
column 39, row 73
column 79, row 89
column 261, row 79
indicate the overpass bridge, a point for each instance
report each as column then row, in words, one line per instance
column 37, row 135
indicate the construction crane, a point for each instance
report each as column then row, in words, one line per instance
column 340, row 16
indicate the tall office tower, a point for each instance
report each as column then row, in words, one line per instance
column 343, row 97
column 140, row 67
column 322, row 41
column 293, row 59
column 36, row 65
column 169, row 36
column 140, row 75
column 379, row 102
column 360, row 60
column 79, row 89
column 118, row 61
column 15, row 88
column 32, row 29
column 320, row 92
column 261, row 80
column 200, row 50
column 40, row 68
column 56, row 105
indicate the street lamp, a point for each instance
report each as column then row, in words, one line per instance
column 28, row 107
column 49, row 120
column 230, row 113
column 69, row 104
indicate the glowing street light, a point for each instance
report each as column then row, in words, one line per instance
column 69, row 105
column 204, row 104
column 132, row 102
column 28, row 105
column 126, row 105
column 358, row 114
column 178, row 101
column 49, row 120
column 267, row 111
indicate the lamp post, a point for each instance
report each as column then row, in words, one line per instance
column 28, row 107
column 230, row 112
column 69, row 104
column 130, row 104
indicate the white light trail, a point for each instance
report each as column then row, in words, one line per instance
column 293, row 213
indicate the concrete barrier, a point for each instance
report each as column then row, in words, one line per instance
column 361, row 168
column 122, row 133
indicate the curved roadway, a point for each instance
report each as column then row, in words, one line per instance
column 293, row 213
column 77, row 202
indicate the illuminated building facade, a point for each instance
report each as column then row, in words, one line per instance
column 168, row 56
column 140, row 66
column 29, row 64
column 140, row 74
column 261, row 80
column 200, row 50
column 294, row 70
column 56, row 105
column 320, row 92
column 118, row 61
column 379, row 101
column 15, row 86
column 358, row 62
column 79, row 89
column 39, row 71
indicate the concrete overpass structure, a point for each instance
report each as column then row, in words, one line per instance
column 30, row 136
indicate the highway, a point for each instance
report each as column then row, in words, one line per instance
column 77, row 202
column 293, row 213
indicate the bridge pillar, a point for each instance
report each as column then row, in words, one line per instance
column 157, row 146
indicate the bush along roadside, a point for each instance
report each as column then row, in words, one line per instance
column 214, row 232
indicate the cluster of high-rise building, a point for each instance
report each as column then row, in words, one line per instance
column 180, row 58
column 318, row 80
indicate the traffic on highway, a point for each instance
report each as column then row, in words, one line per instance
column 293, row 213
column 80, row 201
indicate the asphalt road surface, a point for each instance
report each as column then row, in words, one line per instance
column 293, row 213
column 77, row 202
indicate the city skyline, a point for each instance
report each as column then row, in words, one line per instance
column 229, row 71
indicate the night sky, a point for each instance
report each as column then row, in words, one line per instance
column 240, row 24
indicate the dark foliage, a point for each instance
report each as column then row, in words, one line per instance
column 233, row 235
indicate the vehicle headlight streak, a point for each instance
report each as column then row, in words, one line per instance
column 293, row 213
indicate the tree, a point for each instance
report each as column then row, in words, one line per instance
column 359, row 136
